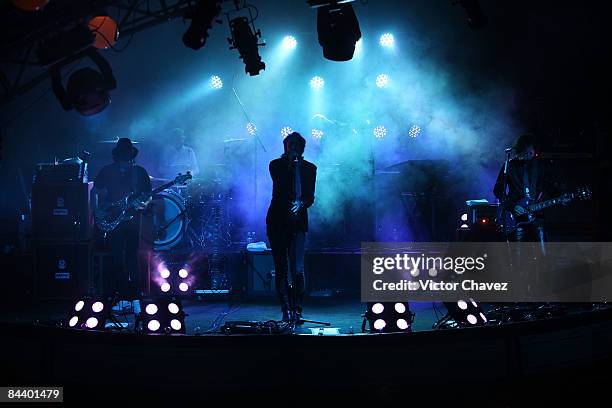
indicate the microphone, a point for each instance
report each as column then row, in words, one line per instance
column 508, row 150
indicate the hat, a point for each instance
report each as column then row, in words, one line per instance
column 124, row 150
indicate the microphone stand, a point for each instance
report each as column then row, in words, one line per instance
column 505, row 194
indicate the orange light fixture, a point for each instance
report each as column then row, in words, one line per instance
column 105, row 30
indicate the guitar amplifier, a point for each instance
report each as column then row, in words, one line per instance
column 62, row 269
column 260, row 274
column 61, row 211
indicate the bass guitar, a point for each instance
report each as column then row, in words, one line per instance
column 111, row 215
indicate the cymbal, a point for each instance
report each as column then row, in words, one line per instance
column 114, row 141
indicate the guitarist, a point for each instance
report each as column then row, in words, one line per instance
column 293, row 188
column 114, row 182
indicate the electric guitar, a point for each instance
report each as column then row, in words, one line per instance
column 531, row 207
column 108, row 217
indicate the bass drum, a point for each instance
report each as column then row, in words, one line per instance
column 169, row 220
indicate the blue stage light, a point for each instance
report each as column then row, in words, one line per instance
column 317, row 83
column 286, row 131
column 380, row 131
column 289, row 42
column 414, row 131
column 317, row 133
column 382, row 80
column 216, row 82
column 387, row 40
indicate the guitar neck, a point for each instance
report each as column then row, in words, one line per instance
column 548, row 203
column 163, row 187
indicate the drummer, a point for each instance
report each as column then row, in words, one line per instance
column 176, row 157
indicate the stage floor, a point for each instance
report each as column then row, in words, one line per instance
column 204, row 317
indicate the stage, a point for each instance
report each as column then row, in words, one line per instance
column 557, row 358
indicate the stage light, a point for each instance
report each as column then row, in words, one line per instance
column 317, row 83
column 464, row 217
column 183, row 287
column 165, row 273
column 92, row 323
column 173, row 308
column 97, row 307
column 286, row 131
column 387, row 40
column 388, row 317
column 168, row 317
column 338, row 31
column 216, row 82
column 151, row 309
column 251, row 128
column 382, row 81
column 246, row 42
column 202, row 18
column 380, row 131
column 153, row 325
column 289, row 42
column 106, row 31
column 377, row 308
column 402, row 324
column 165, row 287
column 87, row 90
column 183, row 273
column 414, row 131
column 30, row 5
column 317, row 133
column 379, row 324
column 175, row 324
column 89, row 313
column 462, row 314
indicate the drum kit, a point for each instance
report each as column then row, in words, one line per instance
column 191, row 216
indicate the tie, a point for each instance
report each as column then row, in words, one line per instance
column 298, row 181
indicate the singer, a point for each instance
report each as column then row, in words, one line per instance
column 293, row 180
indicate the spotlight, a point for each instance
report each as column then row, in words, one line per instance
column 183, row 273
column 382, row 80
column 106, row 31
column 183, row 287
column 89, row 313
column 247, row 44
column 464, row 217
column 317, row 133
column 414, row 131
column 338, row 30
column 202, row 18
column 286, row 131
column 165, row 273
column 380, row 132
column 317, row 83
column 475, row 16
column 165, row 287
column 289, row 42
column 216, row 82
column 162, row 315
column 87, row 90
column 251, row 128
column 463, row 313
column 387, row 40
column 388, row 317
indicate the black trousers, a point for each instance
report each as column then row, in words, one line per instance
column 288, row 254
column 527, row 259
column 125, row 275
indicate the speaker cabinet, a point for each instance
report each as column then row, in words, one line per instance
column 62, row 270
column 260, row 275
column 61, row 211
